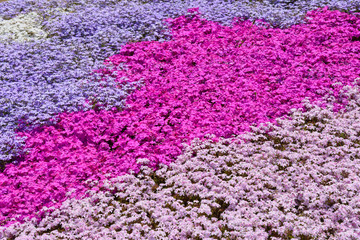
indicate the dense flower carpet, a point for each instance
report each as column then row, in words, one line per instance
column 176, row 119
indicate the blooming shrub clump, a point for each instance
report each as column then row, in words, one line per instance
column 210, row 79
column 297, row 179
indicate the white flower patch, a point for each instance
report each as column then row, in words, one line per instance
column 22, row 28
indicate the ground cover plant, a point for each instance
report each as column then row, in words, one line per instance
column 202, row 77
column 298, row 179
column 65, row 39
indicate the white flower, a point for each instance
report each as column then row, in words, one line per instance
column 22, row 28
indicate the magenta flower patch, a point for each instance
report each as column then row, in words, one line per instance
column 209, row 79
